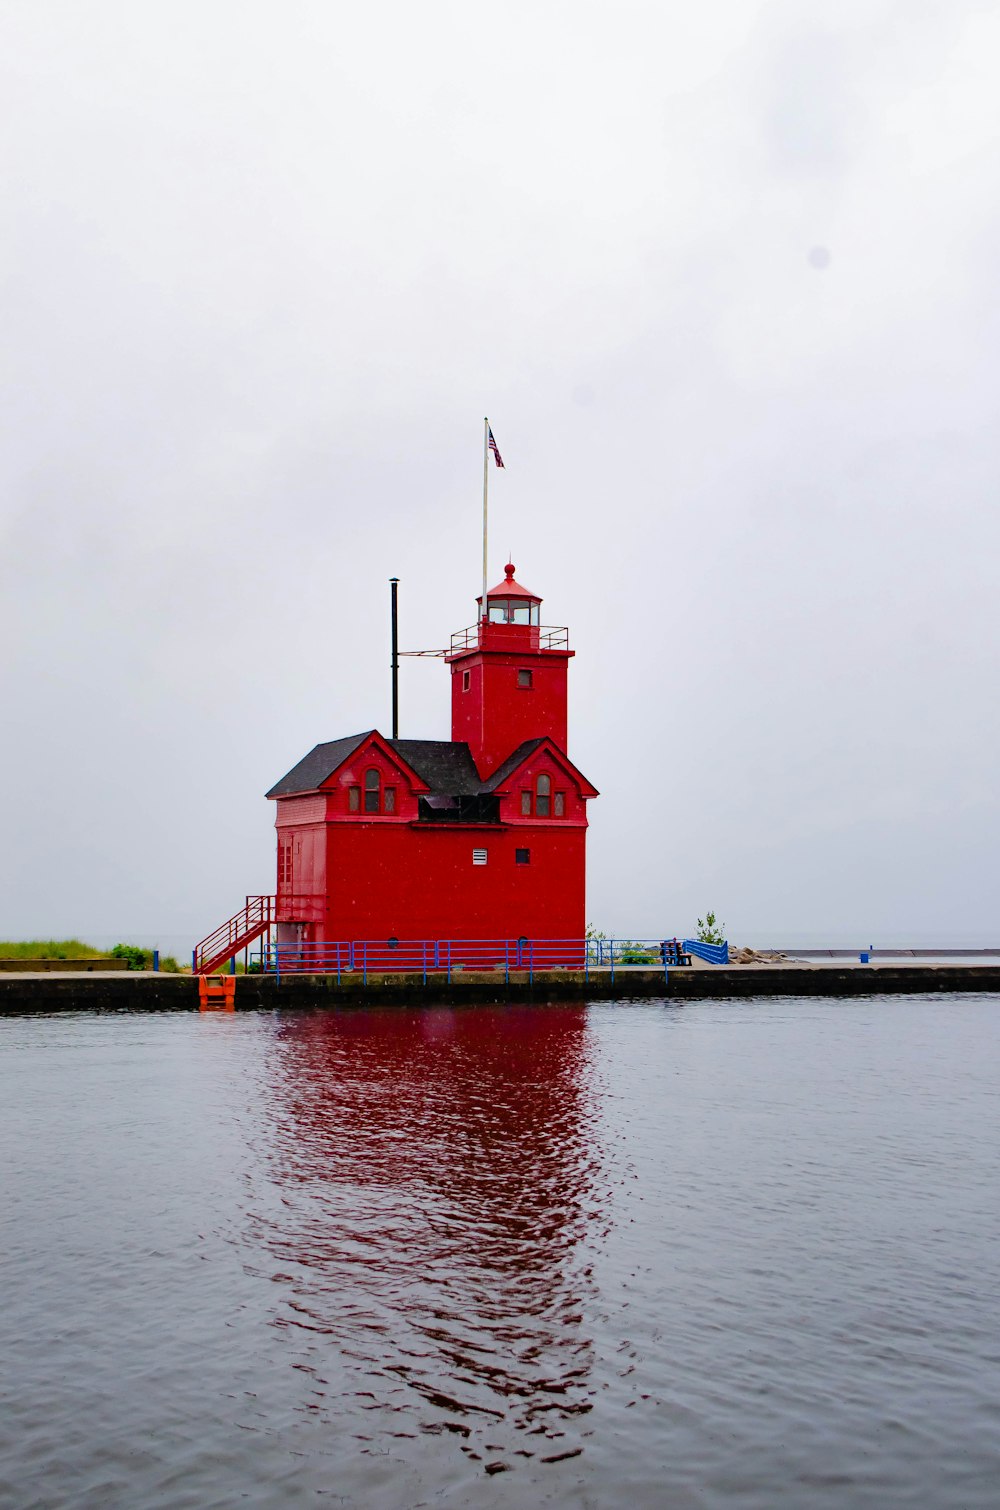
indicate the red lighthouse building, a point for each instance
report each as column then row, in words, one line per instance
column 482, row 836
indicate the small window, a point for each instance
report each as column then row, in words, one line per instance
column 559, row 805
column 479, row 857
column 543, row 797
column 525, row 804
column 389, row 800
column 466, row 680
column 373, row 784
column 522, row 857
column 524, row 678
column 354, row 799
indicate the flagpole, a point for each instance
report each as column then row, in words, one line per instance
column 486, row 474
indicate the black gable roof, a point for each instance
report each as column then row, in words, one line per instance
column 448, row 768
column 445, row 766
column 510, row 765
column 318, row 765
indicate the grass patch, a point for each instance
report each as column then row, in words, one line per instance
column 138, row 959
column 49, row 949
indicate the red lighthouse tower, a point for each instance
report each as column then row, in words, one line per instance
column 480, row 837
column 508, row 677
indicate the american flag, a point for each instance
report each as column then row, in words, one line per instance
column 496, row 454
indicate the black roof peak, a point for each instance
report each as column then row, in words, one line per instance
column 319, row 765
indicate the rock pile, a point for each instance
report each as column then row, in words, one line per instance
column 748, row 956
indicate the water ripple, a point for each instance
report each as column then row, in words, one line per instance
column 731, row 1255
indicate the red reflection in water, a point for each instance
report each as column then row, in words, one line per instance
column 436, row 1190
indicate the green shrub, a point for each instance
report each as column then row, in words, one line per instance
column 629, row 953
column 142, row 959
column 710, row 931
column 137, row 958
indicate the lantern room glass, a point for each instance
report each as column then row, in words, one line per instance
column 514, row 611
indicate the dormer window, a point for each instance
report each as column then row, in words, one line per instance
column 354, row 799
column 541, row 801
column 373, row 792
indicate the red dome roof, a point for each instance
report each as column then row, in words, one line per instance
column 509, row 588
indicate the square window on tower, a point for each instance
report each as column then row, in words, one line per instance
column 522, row 857
column 524, row 679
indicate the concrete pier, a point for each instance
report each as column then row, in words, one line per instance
column 139, row 991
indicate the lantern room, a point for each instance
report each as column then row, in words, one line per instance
column 510, row 603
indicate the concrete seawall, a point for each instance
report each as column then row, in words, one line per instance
column 137, row 991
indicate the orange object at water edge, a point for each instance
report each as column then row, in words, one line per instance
column 217, row 993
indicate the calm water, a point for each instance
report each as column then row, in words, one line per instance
column 737, row 1254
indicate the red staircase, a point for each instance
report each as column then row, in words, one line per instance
column 231, row 937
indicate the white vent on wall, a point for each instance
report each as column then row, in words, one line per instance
column 479, row 857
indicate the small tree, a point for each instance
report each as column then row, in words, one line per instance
column 710, row 931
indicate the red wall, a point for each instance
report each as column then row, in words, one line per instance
column 420, row 883
column 301, row 889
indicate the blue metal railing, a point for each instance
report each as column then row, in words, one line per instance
column 448, row 957
column 712, row 954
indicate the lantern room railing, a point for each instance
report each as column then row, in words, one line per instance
column 485, row 633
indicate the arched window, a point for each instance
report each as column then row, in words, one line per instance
column 373, row 792
column 543, row 796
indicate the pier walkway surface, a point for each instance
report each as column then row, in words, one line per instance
column 143, row 991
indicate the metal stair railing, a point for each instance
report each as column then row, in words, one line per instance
column 233, row 935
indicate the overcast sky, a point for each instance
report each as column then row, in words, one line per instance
column 724, row 279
